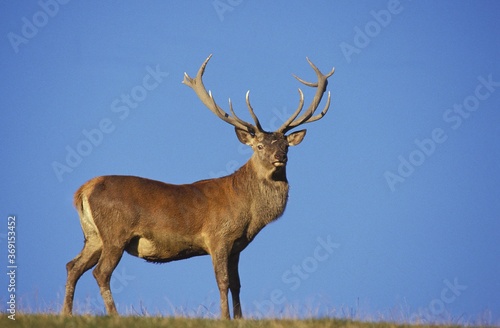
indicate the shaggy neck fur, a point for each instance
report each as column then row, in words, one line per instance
column 268, row 192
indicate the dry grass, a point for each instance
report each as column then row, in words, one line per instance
column 46, row 320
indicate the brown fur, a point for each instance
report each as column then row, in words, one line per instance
column 161, row 222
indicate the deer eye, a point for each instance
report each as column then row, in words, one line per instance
column 260, row 146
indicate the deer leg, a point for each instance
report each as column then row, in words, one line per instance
column 234, row 284
column 220, row 263
column 102, row 273
column 87, row 258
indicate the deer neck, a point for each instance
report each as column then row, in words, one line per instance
column 267, row 194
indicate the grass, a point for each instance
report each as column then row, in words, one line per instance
column 49, row 320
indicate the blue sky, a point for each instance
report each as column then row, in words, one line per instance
column 394, row 205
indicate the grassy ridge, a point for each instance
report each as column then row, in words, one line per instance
column 44, row 320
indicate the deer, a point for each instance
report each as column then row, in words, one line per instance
column 220, row 217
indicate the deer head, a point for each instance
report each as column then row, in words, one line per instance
column 270, row 148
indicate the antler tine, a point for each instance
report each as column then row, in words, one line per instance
column 208, row 100
column 200, row 72
column 250, row 128
column 307, row 116
column 250, row 109
column 297, row 111
column 318, row 73
column 322, row 113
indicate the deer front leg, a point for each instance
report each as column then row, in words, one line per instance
column 234, row 284
column 220, row 263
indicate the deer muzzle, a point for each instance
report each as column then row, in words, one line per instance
column 281, row 159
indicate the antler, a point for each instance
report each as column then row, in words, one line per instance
column 208, row 100
column 307, row 116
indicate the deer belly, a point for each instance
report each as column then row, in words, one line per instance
column 163, row 251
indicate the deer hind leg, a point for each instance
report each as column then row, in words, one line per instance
column 234, row 284
column 87, row 258
column 107, row 263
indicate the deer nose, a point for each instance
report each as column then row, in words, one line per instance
column 281, row 157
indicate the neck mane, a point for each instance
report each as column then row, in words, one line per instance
column 267, row 193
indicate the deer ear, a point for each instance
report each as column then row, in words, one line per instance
column 296, row 137
column 244, row 137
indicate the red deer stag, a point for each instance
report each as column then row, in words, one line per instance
column 161, row 222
